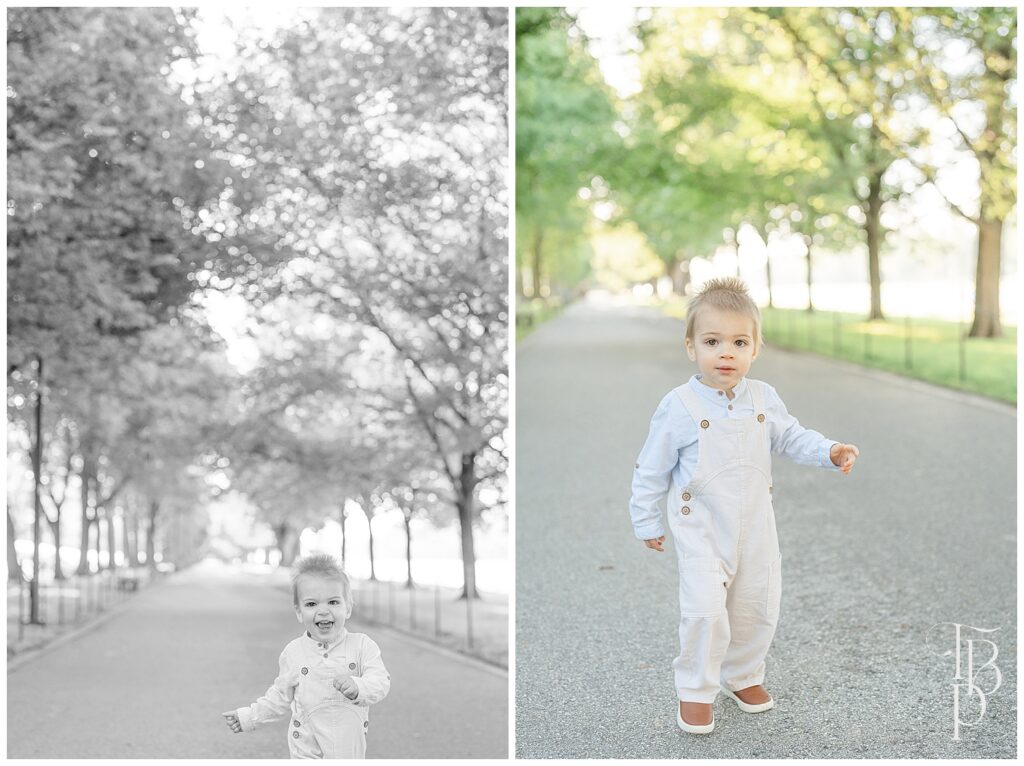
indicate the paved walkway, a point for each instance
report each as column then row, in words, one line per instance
column 152, row 680
column 922, row 532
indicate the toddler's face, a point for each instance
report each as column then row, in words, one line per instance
column 722, row 346
column 321, row 608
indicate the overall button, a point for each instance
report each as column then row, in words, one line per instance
column 760, row 418
column 305, row 671
column 686, row 496
column 705, row 424
column 295, row 734
column 365, row 724
column 351, row 666
column 686, row 510
column 325, row 654
column 730, row 406
column 297, row 724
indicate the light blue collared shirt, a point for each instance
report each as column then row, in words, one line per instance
column 670, row 452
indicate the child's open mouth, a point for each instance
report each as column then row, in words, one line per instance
column 325, row 624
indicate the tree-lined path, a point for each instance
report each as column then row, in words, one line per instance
column 921, row 532
column 152, row 680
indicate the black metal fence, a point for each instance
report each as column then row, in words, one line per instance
column 66, row 603
column 474, row 626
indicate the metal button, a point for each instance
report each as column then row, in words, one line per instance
column 730, row 406
column 351, row 666
column 297, row 724
column 686, row 496
column 686, row 510
column 760, row 418
column 721, row 393
column 637, row 465
column 295, row 734
column 705, row 424
column 325, row 654
column 366, row 724
column 305, row 671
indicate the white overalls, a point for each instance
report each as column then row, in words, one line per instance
column 322, row 722
column 325, row 723
column 723, row 526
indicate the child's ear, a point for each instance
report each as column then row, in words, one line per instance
column 298, row 614
column 690, row 352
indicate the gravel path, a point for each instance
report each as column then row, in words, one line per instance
column 922, row 532
column 152, row 680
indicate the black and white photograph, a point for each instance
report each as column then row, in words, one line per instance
column 258, row 497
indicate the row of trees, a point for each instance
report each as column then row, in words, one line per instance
column 343, row 179
column 795, row 121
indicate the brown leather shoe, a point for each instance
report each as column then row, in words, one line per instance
column 696, row 717
column 753, row 699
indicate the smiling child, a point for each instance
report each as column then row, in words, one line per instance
column 328, row 677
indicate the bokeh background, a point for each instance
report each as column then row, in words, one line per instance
column 857, row 167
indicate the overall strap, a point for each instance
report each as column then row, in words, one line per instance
column 757, row 399
column 694, row 406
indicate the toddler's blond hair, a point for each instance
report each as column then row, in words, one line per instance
column 725, row 294
column 324, row 566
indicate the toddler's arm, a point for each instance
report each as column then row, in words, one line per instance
column 274, row 705
column 792, row 440
column 375, row 682
column 671, row 431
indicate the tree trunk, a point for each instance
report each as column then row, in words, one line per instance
column 100, row 518
column 538, row 241
column 808, row 241
column 768, row 276
column 344, row 537
column 986, row 283
column 133, row 540
column 283, row 533
column 111, row 540
column 13, row 565
column 369, row 527
column 154, row 508
column 126, row 543
column 465, row 504
column 58, row 571
column 408, row 549
column 83, row 546
column 873, row 228
column 680, row 273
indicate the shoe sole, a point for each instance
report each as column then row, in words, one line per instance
column 746, row 707
column 692, row 728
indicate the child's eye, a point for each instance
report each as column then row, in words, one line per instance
column 711, row 341
column 741, row 343
column 334, row 602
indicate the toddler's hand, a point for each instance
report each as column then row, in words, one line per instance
column 346, row 686
column 844, row 456
column 655, row 544
column 232, row 721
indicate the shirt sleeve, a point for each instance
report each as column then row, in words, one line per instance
column 375, row 682
column 652, row 474
column 792, row 440
column 276, row 703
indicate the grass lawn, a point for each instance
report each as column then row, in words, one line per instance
column 927, row 349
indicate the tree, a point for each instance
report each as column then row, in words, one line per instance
column 564, row 139
column 967, row 62
column 401, row 227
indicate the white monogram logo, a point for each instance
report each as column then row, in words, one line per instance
column 967, row 680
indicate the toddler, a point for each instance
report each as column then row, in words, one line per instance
column 327, row 677
column 711, row 441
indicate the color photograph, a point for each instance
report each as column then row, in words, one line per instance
column 765, row 387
